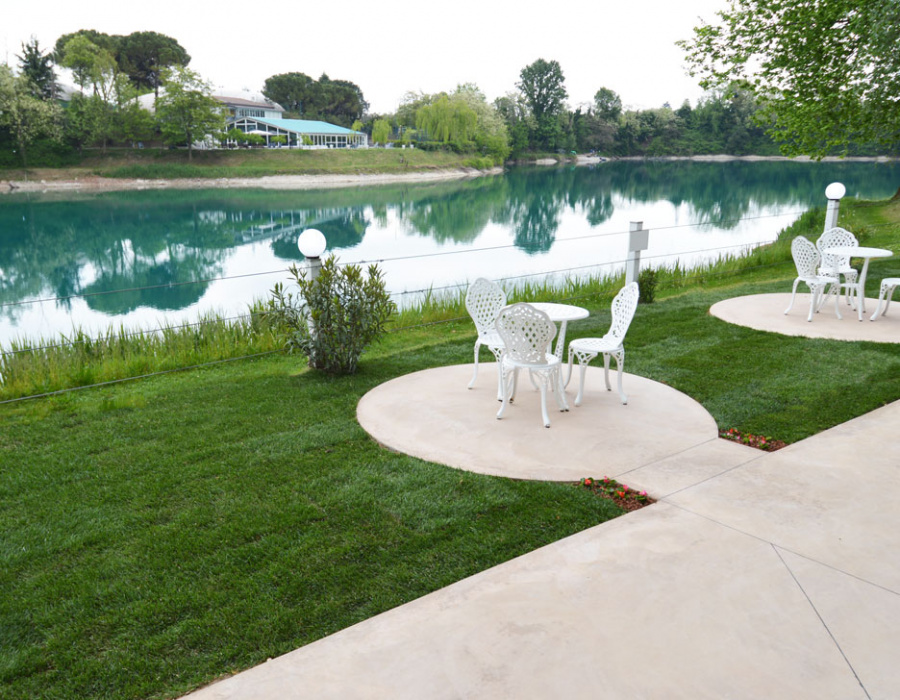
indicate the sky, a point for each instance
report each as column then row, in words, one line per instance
column 390, row 49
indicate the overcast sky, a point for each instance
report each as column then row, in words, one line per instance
column 391, row 48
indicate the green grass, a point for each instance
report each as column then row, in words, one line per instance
column 43, row 365
column 161, row 533
column 246, row 163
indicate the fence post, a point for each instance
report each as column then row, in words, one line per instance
column 638, row 240
column 834, row 192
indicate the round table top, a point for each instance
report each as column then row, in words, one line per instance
column 855, row 251
column 561, row 312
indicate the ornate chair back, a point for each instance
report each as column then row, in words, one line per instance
column 623, row 308
column 527, row 334
column 835, row 237
column 806, row 257
column 484, row 300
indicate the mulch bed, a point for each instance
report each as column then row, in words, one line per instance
column 758, row 441
column 620, row 494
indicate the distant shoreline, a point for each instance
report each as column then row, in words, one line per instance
column 95, row 183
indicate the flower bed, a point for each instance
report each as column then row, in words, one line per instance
column 757, row 441
column 623, row 496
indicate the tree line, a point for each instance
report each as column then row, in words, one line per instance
column 832, row 89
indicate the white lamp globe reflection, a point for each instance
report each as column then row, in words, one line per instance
column 312, row 243
column 835, row 190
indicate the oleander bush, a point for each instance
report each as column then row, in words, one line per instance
column 334, row 315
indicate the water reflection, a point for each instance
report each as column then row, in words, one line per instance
column 167, row 249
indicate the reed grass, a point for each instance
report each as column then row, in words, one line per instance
column 48, row 365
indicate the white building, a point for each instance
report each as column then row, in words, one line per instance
column 301, row 132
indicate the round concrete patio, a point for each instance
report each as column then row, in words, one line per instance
column 432, row 415
column 765, row 312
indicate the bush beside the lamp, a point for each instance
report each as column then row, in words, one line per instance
column 647, row 286
column 334, row 316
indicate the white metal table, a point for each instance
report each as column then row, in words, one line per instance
column 561, row 314
column 866, row 254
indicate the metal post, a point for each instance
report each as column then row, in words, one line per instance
column 312, row 244
column 638, row 240
column 834, row 192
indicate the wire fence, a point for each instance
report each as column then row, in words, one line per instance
column 445, row 289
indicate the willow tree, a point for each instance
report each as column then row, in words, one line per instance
column 827, row 72
column 447, row 120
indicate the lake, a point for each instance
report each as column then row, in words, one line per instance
column 143, row 258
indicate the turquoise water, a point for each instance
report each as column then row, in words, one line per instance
column 150, row 257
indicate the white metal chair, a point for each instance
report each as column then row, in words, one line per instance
column 888, row 285
column 527, row 333
column 837, row 265
column 484, row 301
column 806, row 260
column 610, row 345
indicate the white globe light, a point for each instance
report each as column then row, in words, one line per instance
column 835, row 191
column 312, row 243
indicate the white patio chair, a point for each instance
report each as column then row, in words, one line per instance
column 806, row 260
column 484, row 300
column 610, row 345
column 837, row 265
column 527, row 334
column 888, row 285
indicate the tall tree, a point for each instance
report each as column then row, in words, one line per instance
column 91, row 64
column 187, row 112
column 142, row 56
column 827, row 71
column 336, row 101
column 607, row 104
column 37, row 66
column 27, row 117
column 104, row 41
column 293, row 91
column 543, row 85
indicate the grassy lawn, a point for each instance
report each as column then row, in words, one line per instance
column 164, row 163
column 161, row 533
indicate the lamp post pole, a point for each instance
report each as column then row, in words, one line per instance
column 312, row 244
column 834, row 193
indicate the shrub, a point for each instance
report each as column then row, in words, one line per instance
column 647, row 286
column 335, row 315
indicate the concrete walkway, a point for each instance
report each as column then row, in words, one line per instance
column 755, row 575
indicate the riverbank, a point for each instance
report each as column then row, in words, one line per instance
column 95, row 183
column 65, row 180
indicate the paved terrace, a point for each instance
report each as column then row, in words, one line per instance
column 755, row 575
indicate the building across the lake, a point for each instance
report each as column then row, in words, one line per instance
column 301, row 132
column 255, row 115
column 244, row 107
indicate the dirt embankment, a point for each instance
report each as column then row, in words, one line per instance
column 272, row 182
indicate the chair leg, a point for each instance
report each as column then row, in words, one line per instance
column 560, row 390
column 620, row 366
column 884, row 295
column 475, row 376
column 582, row 369
column 507, row 383
column 793, row 294
column 814, row 289
column 606, row 370
column 546, row 417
